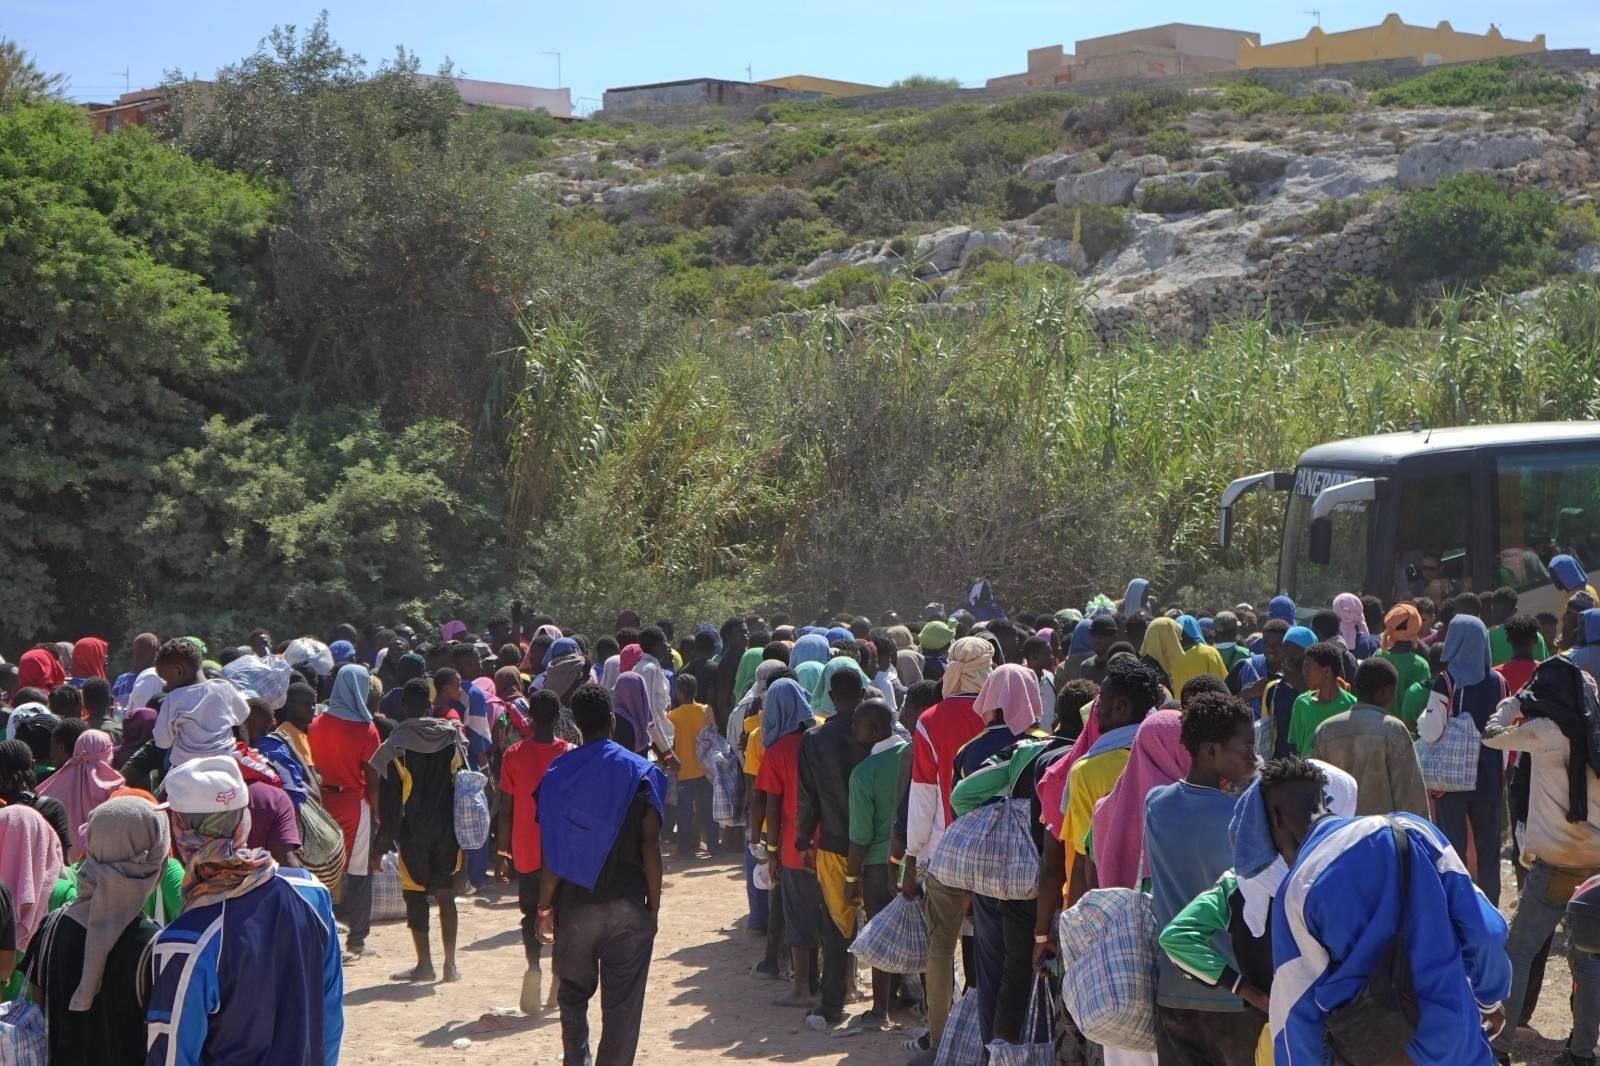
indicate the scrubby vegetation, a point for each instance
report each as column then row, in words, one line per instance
column 1495, row 83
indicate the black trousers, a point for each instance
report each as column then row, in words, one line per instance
column 1207, row 1038
column 604, row 946
column 1003, row 941
column 355, row 909
column 838, row 966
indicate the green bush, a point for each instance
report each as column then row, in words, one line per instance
column 1019, row 197
column 795, row 241
column 845, row 286
column 1496, row 83
column 782, row 153
column 1470, row 227
column 1212, row 193
column 1353, row 299
column 1329, row 216
column 1576, row 227
column 1250, row 97
column 1124, row 113
column 1174, row 144
column 1096, row 228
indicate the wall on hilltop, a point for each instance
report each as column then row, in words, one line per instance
column 1279, row 78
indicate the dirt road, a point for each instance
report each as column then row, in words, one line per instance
column 702, row 1001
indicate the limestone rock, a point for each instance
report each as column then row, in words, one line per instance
column 1054, row 250
column 1587, row 259
column 1258, row 165
column 1424, row 165
column 1109, row 185
column 1328, row 87
column 1059, row 164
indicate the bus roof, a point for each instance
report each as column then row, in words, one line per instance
column 1387, row 449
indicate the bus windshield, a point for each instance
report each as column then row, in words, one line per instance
column 1306, row 582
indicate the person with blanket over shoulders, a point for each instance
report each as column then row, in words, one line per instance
column 600, row 812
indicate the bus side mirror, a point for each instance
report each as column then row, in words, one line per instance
column 1321, row 548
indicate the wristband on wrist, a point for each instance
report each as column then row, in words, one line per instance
column 544, row 911
column 1041, row 938
column 850, row 880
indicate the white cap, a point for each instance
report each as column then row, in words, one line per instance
column 208, row 785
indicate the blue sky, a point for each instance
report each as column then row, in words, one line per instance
column 622, row 42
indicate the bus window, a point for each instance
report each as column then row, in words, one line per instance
column 1433, row 532
column 1549, row 504
column 1307, row 583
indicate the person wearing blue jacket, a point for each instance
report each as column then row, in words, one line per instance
column 1339, row 908
column 249, row 974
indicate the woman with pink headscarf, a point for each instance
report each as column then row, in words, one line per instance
column 1353, row 625
column 30, row 863
column 1158, row 758
column 83, row 783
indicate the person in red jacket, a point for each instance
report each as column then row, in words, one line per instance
column 941, row 732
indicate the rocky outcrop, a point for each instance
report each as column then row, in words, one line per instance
column 1109, row 186
column 945, row 250
column 1057, row 165
column 1062, row 253
column 1422, row 166
column 1338, row 175
column 632, row 199
column 879, row 255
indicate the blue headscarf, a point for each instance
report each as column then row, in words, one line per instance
column 1300, row 637
column 1081, row 644
column 1591, row 626
column 1466, row 650
column 821, row 701
column 349, row 699
column 1133, row 596
column 1208, row 626
column 1281, row 607
column 839, row 633
column 343, row 651
column 707, row 627
column 1191, row 628
column 558, row 648
column 785, row 709
column 1566, row 574
column 811, row 648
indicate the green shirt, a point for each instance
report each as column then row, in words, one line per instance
column 1309, row 713
column 1415, row 703
column 1191, row 937
column 874, row 795
column 1500, row 647
column 1412, row 670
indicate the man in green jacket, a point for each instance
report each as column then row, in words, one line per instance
column 874, row 795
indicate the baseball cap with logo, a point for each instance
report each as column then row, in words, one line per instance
column 209, row 785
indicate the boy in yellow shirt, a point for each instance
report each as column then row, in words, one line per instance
column 694, row 788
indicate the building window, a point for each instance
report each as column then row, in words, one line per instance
column 111, row 123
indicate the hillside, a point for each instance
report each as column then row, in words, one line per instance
column 341, row 351
column 1174, row 208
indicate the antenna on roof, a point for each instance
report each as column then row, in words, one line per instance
column 124, row 74
column 749, row 75
column 1314, row 13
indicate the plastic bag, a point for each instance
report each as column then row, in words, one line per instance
column 1108, row 967
column 1040, row 1049
column 22, row 1035
column 266, row 680
column 309, row 652
column 895, row 940
column 471, row 810
column 962, row 1042
column 388, row 902
column 989, row 851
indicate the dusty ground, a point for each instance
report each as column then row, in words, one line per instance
column 701, row 1001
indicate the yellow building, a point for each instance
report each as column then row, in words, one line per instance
column 1151, row 52
column 805, row 83
column 1390, row 39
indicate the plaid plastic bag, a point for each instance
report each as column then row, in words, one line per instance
column 895, row 940
column 1450, row 764
column 720, row 763
column 962, row 1043
column 1041, row 1049
column 989, row 851
column 1108, row 967
column 388, row 903
column 22, row 1035
column 471, row 810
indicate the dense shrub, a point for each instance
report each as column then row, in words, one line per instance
column 1211, row 193
column 1125, row 113
column 1470, row 227
column 1019, row 197
column 1173, row 143
column 1097, row 229
column 845, row 286
column 1352, row 299
column 1329, row 216
column 1496, row 83
column 795, row 241
column 761, row 214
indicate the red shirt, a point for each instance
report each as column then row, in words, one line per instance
column 780, row 776
column 342, row 750
column 1517, row 673
column 942, row 731
column 521, row 769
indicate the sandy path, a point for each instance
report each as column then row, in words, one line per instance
column 701, row 1002
column 701, row 999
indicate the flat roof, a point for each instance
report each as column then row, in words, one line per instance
column 680, row 81
column 1386, row 449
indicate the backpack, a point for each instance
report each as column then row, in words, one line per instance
column 1374, row 1028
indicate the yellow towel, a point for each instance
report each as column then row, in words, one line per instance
column 831, row 869
column 1264, row 1047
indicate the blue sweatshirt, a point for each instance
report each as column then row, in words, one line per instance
column 250, row 981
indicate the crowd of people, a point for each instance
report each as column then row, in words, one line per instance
column 1308, row 805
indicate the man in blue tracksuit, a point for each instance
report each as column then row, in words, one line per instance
column 249, row 974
